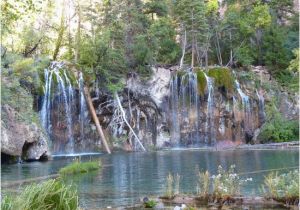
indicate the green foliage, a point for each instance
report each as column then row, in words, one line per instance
column 275, row 53
column 191, row 17
column 79, row 167
column 245, row 55
column 165, row 48
column 157, row 7
column 284, row 186
column 150, row 204
column 17, row 98
column 276, row 128
column 52, row 194
column 23, row 65
column 201, row 82
column 294, row 64
column 223, row 78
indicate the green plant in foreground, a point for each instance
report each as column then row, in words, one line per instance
column 79, row 167
column 226, row 183
column 284, row 186
column 52, row 194
column 150, row 204
column 203, row 183
column 172, row 186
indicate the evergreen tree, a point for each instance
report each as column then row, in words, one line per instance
column 193, row 22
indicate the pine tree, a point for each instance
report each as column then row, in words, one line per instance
column 191, row 17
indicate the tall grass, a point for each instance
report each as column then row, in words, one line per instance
column 79, row 167
column 172, row 185
column 203, row 183
column 52, row 194
column 284, row 187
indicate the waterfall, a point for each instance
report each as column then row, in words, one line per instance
column 246, row 106
column 83, row 108
column 261, row 104
column 209, row 123
column 184, row 109
column 174, row 107
column 65, row 93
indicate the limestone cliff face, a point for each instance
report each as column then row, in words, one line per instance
column 21, row 133
column 22, row 139
column 192, row 114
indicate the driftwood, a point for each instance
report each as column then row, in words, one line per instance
column 96, row 120
column 125, row 120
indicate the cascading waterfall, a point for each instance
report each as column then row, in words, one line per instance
column 246, row 105
column 83, row 108
column 185, row 109
column 66, row 96
column 261, row 103
column 174, row 107
column 209, row 123
column 65, row 93
column 200, row 114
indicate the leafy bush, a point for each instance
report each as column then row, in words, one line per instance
column 23, row 65
column 78, row 167
column 276, row 128
column 282, row 187
column 52, row 194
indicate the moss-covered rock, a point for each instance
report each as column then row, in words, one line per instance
column 201, row 82
column 223, row 78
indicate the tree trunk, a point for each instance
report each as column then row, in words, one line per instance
column 96, row 120
column 231, row 53
column 77, row 44
column 60, row 35
column 219, row 50
column 124, row 118
column 183, row 50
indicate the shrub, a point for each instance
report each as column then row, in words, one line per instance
column 284, row 187
column 78, row 167
column 52, row 194
column 276, row 128
column 23, row 65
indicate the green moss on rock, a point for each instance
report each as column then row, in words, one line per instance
column 201, row 82
column 223, row 77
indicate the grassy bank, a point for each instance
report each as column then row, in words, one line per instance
column 225, row 187
column 79, row 167
column 52, row 194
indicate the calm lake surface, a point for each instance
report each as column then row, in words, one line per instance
column 127, row 177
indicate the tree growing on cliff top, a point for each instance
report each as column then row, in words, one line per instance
column 194, row 28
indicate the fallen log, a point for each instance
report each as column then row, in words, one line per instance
column 95, row 119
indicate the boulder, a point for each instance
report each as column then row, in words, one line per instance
column 19, row 138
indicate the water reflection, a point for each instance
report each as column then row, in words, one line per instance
column 126, row 177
